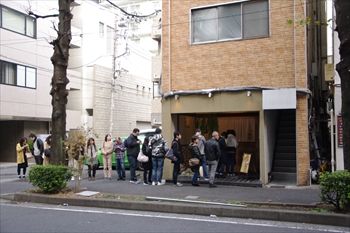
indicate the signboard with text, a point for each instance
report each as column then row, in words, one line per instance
column 340, row 130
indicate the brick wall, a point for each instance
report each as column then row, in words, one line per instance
column 276, row 61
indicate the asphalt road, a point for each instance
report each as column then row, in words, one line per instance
column 29, row 217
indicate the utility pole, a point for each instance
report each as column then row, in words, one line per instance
column 114, row 73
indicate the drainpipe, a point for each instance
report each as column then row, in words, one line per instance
column 332, row 139
column 169, row 44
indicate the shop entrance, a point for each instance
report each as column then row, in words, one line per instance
column 246, row 126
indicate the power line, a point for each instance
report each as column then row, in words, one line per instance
column 133, row 15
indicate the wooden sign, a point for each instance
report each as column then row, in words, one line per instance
column 245, row 163
column 340, row 130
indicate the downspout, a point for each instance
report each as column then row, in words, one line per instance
column 169, row 44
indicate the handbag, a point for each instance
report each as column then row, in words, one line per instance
column 142, row 158
column 193, row 162
column 170, row 155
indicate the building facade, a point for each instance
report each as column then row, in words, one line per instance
column 243, row 66
column 26, row 72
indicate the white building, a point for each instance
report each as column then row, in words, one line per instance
column 26, row 72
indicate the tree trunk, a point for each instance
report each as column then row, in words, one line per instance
column 342, row 8
column 59, row 82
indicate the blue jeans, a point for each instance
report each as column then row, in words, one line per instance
column 133, row 164
column 120, row 168
column 157, row 169
column 205, row 167
column 195, row 175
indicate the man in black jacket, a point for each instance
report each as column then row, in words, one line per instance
column 132, row 144
column 212, row 152
column 175, row 145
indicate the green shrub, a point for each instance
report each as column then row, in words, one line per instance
column 51, row 178
column 335, row 188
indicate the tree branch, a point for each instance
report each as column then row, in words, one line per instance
column 42, row 16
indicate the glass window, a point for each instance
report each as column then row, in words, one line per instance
column 18, row 75
column 110, row 40
column 204, row 23
column 31, row 77
column 30, row 26
column 17, row 22
column 21, row 76
column 13, row 21
column 255, row 19
column 227, row 22
column 101, row 28
column 230, row 21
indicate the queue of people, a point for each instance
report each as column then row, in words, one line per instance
column 216, row 156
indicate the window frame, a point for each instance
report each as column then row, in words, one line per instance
column 25, row 75
column 26, row 17
column 191, row 41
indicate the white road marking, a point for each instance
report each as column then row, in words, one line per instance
column 75, row 209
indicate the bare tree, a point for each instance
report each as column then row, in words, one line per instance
column 342, row 9
column 59, row 79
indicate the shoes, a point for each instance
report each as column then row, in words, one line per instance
column 154, row 183
column 178, row 184
column 72, row 178
column 134, row 181
column 212, row 186
column 195, row 184
column 161, row 183
column 119, row 178
column 144, row 183
column 79, row 178
column 19, row 177
column 206, row 179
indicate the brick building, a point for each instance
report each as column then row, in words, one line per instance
column 243, row 66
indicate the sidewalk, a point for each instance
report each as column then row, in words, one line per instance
column 293, row 204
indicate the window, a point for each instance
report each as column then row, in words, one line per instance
column 17, row 22
column 230, row 21
column 17, row 75
column 101, row 29
column 110, row 40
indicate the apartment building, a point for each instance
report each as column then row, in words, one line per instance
column 242, row 66
column 26, row 72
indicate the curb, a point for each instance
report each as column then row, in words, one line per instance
column 197, row 209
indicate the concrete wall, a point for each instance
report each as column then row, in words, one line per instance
column 270, row 125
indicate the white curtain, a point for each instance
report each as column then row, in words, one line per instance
column 229, row 21
column 204, row 25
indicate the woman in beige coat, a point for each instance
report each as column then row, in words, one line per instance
column 107, row 150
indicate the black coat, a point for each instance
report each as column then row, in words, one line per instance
column 212, row 150
column 175, row 145
column 146, row 151
column 132, row 146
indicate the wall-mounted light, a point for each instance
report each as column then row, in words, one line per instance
column 249, row 93
column 176, row 97
column 210, row 94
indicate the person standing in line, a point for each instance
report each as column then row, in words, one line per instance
column 107, row 150
column 132, row 143
column 231, row 148
column 157, row 144
column 201, row 145
column 222, row 162
column 22, row 163
column 195, row 154
column 175, row 145
column 212, row 151
column 119, row 150
column 38, row 148
column 91, row 152
column 47, row 150
column 147, row 166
